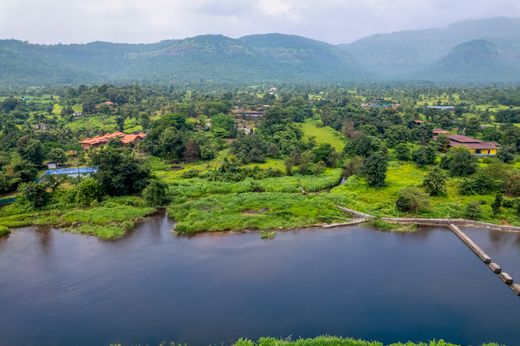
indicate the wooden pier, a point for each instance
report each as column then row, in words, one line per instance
column 484, row 257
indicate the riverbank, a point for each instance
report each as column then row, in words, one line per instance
column 338, row 341
column 108, row 220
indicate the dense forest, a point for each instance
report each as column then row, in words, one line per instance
column 257, row 157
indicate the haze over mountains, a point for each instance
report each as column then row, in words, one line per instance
column 483, row 51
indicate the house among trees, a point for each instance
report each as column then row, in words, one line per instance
column 102, row 140
column 475, row 146
column 248, row 114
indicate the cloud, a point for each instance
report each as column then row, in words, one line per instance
column 335, row 21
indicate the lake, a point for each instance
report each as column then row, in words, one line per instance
column 58, row 288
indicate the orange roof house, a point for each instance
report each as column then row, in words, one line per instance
column 102, row 140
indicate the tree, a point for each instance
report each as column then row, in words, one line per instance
column 460, row 162
column 326, row 153
column 88, row 191
column 120, row 122
column 364, row 145
column 223, row 125
column 411, row 199
column 425, row 155
column 513, row 185
column 58, row 156
column 34, row 194
column 506, row 153
column 403, row 152
column 497, row 203
column 119, row 172
column 30, row 149
column 374, row 169
column 443, row 143
column 435, row 182
column 154, row 194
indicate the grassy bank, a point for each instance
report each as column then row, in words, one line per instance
column 111, row 219
column 381, row 202
column 259, row 211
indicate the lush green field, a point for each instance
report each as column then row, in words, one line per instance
column 336, row 341
column 323, row 134
column 255, row 211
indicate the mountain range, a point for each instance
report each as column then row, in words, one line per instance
column 480, row 51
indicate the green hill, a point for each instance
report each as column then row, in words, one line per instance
column 209, row 58
column 475, row 61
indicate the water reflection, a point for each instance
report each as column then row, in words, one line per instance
column 59, row 288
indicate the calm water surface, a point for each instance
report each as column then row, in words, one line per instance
column 64, row 289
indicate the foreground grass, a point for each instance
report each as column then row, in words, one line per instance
column 335, row 341
column 110, row 220
column 258, row 211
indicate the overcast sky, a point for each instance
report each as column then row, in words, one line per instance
column 334, row 21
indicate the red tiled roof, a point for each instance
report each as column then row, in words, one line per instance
column 479, row 145
column 125, row 139
column 463, row 139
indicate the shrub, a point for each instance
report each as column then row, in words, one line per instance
column 425, row 155
column 480, row 184
column 435, row 182
column 88, row 191
column 473, row 211
column 34, row 194
column 513, row 185
column 460, row 162
column 403, row 152
column 411, row 199
column 4, row 231
column 155, row 194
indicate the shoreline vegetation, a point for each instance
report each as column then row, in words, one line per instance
column 303, row 155
column 326, row 341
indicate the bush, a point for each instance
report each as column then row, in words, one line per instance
column 480, row 184
column 473, row 211
column 513, row 185
column 403, row 152
column 155, row 194
column 435, row 182
column 411, row 199
column 88, row 191
column 4, row 231
column 34, row 194
column 460, row 162
column 425, row 155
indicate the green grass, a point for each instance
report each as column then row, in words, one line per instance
column 381, row 202
column 198, row 187
column 4, row 231
column 111, row 220
column 335, row 341
column 258, row 211
column 323, row 134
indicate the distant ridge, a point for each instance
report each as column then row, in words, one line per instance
column 483, row 51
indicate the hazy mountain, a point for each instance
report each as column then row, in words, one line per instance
column 485, row 50
column 272, row 57
column 474, row 61
column 403, row 54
